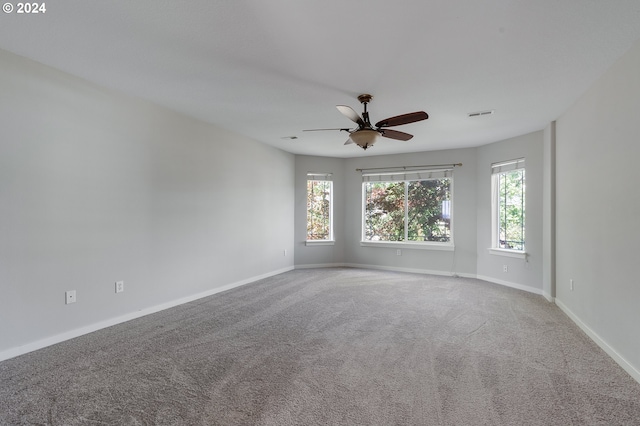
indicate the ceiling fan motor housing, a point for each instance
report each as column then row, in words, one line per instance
column 365, row 98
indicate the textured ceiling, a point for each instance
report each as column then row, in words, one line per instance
column 270, row 68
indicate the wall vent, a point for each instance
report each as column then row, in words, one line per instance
column 480, row 113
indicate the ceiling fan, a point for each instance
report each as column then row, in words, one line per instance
column 365, row 135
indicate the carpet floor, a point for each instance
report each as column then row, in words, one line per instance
column 330, row 347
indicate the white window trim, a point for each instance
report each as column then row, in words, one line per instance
column 496, row 169
column 519, row 254
column 323, row 177
column 320, row 242
column 420, row 245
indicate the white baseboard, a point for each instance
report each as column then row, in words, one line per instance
column 409, row 270
column 510, row 284
column 619, row 359
column 52, row 340
column 425, row 271
column 380, row 268
column 322, row 265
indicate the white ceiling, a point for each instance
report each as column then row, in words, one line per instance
column 268, row 69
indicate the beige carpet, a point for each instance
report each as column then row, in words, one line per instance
column 330, row 347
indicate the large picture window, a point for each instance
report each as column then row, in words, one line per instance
column 319, row 207
column 410, row 207
column 508, row 206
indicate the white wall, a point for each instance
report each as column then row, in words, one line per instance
column 522, row 274
column 97, row 187
column 598, row 210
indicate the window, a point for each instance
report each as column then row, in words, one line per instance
column 319, row 207
column 508, row 205
column 409, row 207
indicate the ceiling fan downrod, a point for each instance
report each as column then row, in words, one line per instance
column 364, row 100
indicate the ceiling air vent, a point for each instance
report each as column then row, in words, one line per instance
column 481, row 113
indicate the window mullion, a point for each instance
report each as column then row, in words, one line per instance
column 522, row 208
column 406, row 211
column 504, row 211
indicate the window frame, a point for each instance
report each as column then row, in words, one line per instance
column 419, row 245
column 328, row 177
column 498, row 169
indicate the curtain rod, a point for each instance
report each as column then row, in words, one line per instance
column 410, row 167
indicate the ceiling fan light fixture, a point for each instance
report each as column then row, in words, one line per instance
column 364, row 138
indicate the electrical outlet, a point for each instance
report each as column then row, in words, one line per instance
column 70, row 297
column 398, row 252
column 285, row 252
column 119, row 286
column 571, row 284
column 505, row 268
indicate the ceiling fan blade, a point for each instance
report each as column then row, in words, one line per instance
column 348, row 112
column 319, row 130
column 394, row 134
column 398, row 120
column 348, row 141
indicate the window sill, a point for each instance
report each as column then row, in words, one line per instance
column 405, row 245
column 508, row 253
column 320, row 243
